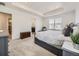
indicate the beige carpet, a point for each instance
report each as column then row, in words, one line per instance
column 27, row 47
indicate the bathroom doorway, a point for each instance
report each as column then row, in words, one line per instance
column 6, row 23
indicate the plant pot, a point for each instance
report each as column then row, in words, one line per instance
column 76, row 46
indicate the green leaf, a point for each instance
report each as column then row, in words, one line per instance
column 75, row 38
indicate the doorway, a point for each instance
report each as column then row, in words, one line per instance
column 6, row 23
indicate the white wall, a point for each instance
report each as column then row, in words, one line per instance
column 21, row 21
column 77, row 14
column 66, row 18
column 38, row 23
column 45, row 22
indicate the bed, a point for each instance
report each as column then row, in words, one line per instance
column 50, row 40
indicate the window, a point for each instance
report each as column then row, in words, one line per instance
column 55, row 23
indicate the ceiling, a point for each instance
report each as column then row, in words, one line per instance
column 44, row 8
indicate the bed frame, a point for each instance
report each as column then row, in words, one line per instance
column 50, row 48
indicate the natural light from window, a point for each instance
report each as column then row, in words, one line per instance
column 55, row 23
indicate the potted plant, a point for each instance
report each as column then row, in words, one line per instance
column 75, row 39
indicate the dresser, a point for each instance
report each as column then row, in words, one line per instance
column 3, row 44
column 24, row 35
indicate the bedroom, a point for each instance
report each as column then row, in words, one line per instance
column 45, row 21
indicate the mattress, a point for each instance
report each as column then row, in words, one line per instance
column 54, row 38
